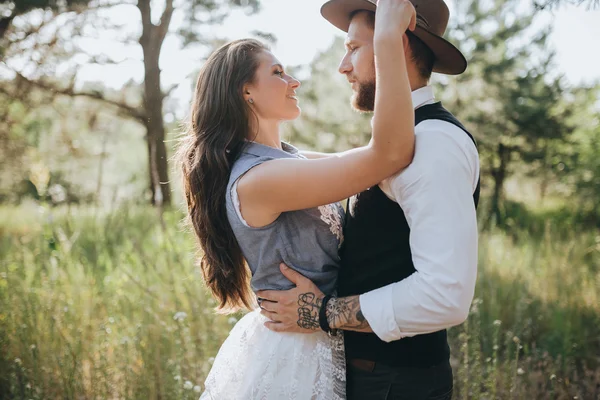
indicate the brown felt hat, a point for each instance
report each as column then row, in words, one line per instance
column 432, row 20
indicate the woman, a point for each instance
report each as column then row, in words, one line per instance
column 253, row 199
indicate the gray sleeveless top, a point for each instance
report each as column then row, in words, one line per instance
column 306, row 240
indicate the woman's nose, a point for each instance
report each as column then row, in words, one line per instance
column 295, row 83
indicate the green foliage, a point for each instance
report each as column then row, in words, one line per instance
column 10, row 9
column 553, row 4
column 111, row 305
column 199, row 14
column 522, row 113
column 27, row 5
column 583, row 166
column 102, row 306
column 66, row 149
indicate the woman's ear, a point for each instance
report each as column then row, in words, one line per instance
column 247, row 92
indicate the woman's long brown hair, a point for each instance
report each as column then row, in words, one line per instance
column 219, row 126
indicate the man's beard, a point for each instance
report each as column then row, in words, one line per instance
column 364, row 99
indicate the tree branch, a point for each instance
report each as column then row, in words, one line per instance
column 128, row 110
column 145, row 11
column 170, row 90
column 165, row 21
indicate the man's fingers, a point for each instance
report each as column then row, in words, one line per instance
column 274, row 326
column 294, row 276
column 269, row 306
column 270, row 315
column 270, row 295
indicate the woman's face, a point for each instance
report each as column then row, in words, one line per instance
column 273, row 92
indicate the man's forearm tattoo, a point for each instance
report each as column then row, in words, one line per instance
column 344, row 313
column 308, row 311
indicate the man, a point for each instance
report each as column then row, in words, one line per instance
column 409, row 258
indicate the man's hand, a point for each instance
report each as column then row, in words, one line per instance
column 294, row 310
column 297, row 309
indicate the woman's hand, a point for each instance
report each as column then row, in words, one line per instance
column 393, row 18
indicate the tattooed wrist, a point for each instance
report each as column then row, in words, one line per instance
column 309, row 305
column 345, row 313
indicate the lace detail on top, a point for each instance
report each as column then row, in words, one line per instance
column 331, row 216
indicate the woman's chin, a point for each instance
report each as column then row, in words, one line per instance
column 294, row 114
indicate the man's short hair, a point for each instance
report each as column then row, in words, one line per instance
column 422, row 55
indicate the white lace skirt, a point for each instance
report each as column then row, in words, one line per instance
column 255, row 363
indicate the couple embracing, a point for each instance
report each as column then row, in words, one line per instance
column 348, row 303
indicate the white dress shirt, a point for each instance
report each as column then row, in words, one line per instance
column 436, row 194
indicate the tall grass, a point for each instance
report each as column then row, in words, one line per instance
column 111, row 306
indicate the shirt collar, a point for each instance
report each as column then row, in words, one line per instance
column 422, row 96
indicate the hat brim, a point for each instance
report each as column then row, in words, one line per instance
column 448, row 59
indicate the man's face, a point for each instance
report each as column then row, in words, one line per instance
column 358, row 63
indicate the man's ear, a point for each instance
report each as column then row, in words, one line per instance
column 406, row 45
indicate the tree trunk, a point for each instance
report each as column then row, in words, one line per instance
column 151, row 41
column 499, row 176
column 157, row 150
column 152, row 181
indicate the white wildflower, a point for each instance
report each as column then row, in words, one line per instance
column 520, row 371
column 197, row 389
column 497, row 322
column 188, row 385
column 180, row 316
column 177, row 378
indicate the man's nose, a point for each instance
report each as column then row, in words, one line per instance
column 345, row 65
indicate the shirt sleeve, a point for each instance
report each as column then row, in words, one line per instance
column 436, row 195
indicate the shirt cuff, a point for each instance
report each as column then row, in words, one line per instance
column 377, row 306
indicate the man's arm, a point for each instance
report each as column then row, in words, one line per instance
column 436, row 195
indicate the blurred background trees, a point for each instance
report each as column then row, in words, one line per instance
column 536, row 132
column 41, row 38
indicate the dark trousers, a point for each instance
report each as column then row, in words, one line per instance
column 375, row 381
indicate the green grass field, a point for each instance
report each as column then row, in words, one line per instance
column 110, row 305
